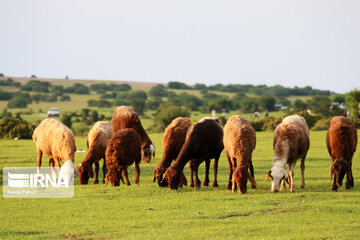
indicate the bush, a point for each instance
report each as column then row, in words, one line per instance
column 36, row 86
column 66, row 119
column 222, row 120
column 322, row 124
column 17, row 102
column 65, row 98
column 120, row 87
column 178, row 85
column 78, row 88
column 310, row 119
column 14, row 127
column 104, row 104
column 9, row 82
column 258, row 125
column 92, row 103
column 94, row 116
column 138, row 106
column 271, row 123
column 5, row 113
column 158, row 91
column 165, row 115
column 5, row 95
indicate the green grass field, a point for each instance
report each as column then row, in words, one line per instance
column 146, row 211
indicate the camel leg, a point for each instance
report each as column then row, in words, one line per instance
column 251, row 168
column 291, row 175
column 230, row 171
column 137, row 171
column 302, row 166
column 216, row 161
column 126, row 176
column 191, row 165
column 39, row 157
column 104, row 170
column 207, row 168
column 97, row 166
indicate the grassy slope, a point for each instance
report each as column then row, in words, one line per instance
column 146, row 211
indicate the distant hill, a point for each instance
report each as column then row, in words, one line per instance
column 88, row 82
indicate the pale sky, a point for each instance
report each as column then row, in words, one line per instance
column 292, row 43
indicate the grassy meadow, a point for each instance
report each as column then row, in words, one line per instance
column 146, row 211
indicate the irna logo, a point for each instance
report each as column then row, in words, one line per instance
column 36, row 183
column 18, row 180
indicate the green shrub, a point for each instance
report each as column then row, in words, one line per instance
column 15, row 128
column 104, row 104
column 222, row 120
column 92, row 103
column 165, row 115
column 5, row 113
column 310, row 119
column 78, row 88
column 17, row 102
column 138, row 106
column 66, row 119
column 94, row 116
column 81, row 128
column 9, row 82
column 5, row 95
column 258, row 125
column 36, row 86
column 322, row 124
column 271, row 123
column 65, row 98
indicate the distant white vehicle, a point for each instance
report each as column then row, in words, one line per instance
column 53, row 112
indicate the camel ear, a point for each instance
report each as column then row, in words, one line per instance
column 252, row 180
column 268, row 176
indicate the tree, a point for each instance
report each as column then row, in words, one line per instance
column 200, row 86
column 92, row 103
column 65, row 98
column 104, row 104
column 138, row 106
column 17, row 102
column 36, row 86
column 158, row 91
column 84, row 113
column 249, row 105
column 352, row 102
column 267, row 103
column 78, row 88
column 320, row 104
column 66, row 119
column 165, row 115
column 339, row 98
column 299, row 105
column 94, row 116
column 178, row 85
column 139, row 94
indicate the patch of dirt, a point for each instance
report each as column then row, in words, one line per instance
column 69, row 236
